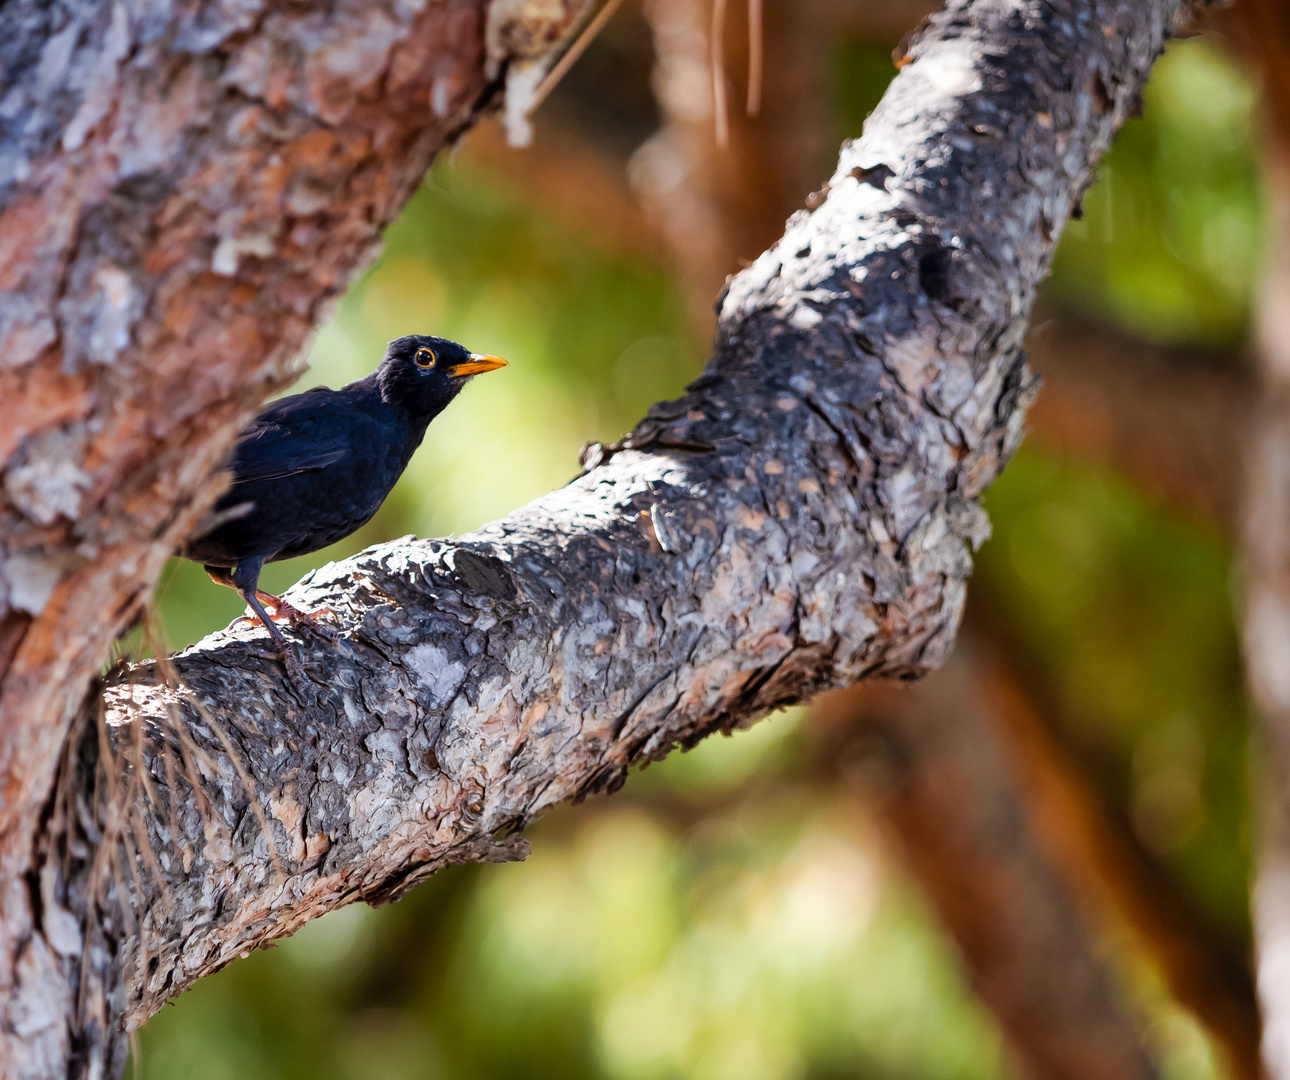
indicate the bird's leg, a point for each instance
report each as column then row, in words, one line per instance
column 244, row 578
column 280, row 608
column 285, row 653
column 284, row 610
column 222, row 575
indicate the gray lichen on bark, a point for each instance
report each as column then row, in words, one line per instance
column 801, row 518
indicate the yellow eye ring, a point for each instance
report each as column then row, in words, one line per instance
column 425, row 358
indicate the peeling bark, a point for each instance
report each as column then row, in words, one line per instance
column 800, row 519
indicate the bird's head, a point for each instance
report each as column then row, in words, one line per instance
column 422, row 374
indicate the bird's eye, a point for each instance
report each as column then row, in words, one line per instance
column 425, row 359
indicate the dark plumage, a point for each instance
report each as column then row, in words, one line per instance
column 312, row 468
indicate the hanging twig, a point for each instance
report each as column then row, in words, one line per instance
column 755, row 54
column 570, row 58
column 721, row 119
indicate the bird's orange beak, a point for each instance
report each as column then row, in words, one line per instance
column 476, row 365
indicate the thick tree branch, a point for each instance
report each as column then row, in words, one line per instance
column 1171, row 419
column 972, row 829
column 799, row 520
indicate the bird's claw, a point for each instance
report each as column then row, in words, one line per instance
column 309, row 621
column 288, row 659
column 296, row 674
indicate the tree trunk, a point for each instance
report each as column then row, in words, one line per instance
column 185, row 192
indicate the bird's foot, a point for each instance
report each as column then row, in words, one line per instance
column 286, row 656
column 284, row 610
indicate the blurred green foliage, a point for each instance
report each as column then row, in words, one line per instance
column 1124, row 617
column 724, row 918
column 1171, row 240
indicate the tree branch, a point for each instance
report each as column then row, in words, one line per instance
column 1169, row 418
column 801, row 519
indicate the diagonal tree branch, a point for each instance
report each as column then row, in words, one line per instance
column 969, row 826
column 1170, row 418
column 800, row 519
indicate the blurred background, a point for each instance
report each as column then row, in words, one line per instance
column 896, row 882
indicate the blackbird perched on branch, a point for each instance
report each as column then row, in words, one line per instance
column 313, row 467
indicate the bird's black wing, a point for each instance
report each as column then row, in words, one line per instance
column 296, row 434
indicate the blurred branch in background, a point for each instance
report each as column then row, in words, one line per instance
column 1261, row 29
column 1032, row 861
column 968, row 830
column 718, row 207
column 1169, row 418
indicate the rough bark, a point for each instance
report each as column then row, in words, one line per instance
column 800, row 519
column 1172, row 420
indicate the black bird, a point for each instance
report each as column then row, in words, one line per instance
column 313, row 467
